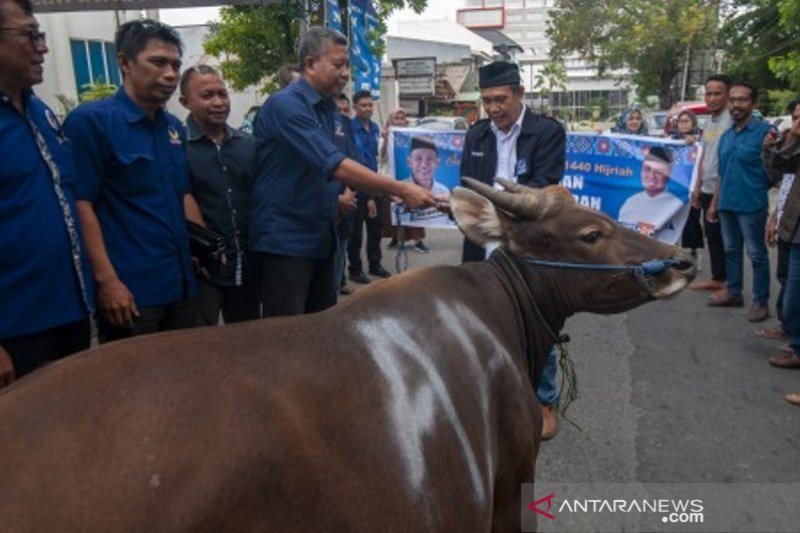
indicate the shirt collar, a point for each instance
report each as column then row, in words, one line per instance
column 311, row 95
column 130, row 110
column 359, row 125
column 515, row 129
column 194, row 133
column 27, row 94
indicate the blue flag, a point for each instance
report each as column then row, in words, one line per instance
column 360, row 53
column 333, row 16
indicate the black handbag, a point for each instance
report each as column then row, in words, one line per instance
column 205, row 244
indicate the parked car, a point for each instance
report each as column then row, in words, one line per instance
column 698, row 108
column 443, row 123
column 655, row 121
column 249, row 119
column 782, row 123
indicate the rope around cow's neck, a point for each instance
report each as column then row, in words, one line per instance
column 568, row 384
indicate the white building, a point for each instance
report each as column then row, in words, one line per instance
column 525, row 22
column 81, row 51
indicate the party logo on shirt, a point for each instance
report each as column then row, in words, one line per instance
column 174, row 136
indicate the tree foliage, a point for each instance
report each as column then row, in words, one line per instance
column 255, row 41
column 648, row 37
column 552, row 76
column 751, row 34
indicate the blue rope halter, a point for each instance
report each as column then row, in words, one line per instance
column 654, row 267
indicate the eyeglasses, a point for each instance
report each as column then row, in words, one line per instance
column 34, row 35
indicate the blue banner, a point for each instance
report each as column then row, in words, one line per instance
column 362, row 59
column 373, row 29
column 333, row 16
column 642, row 182
column 359, row 46
column 434, row 163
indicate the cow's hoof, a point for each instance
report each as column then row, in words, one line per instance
column 549, row 422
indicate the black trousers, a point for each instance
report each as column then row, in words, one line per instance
column 692, row 236
column 29, row 352
column 716, row 248
column 374, row 227
column 295, row 285
column 237, row 304
column 178, row 315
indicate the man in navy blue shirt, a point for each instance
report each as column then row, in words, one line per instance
column 45, row 282
column 301, row 148
column 365, row 136
column 133, row 191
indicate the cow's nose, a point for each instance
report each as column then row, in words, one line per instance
column 685, row 263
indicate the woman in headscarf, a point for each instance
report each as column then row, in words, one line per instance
column 688, row 131
column 631, row 122
column 397, row 119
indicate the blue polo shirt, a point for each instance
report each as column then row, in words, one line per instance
column 39, row 284
column 294, row 206
column 134, row 170
column 743, row 181
column 366, row 141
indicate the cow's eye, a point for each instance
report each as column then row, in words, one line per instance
column 592, row 236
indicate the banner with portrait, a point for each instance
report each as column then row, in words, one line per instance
column 430, row 159
column 642, row 182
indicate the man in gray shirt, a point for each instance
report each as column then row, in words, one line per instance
column 716, row 97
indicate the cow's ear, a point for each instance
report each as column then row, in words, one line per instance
column 476, row 216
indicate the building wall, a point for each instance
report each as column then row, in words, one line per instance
column 61, row 28
column 59, row 68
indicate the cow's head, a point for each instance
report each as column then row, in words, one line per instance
column 547, row 224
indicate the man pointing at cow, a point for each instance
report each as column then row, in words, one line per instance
column 519, row 146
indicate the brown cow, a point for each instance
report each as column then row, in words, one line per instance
column 409, row 407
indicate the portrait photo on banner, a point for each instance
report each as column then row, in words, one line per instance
column 644, row 183
column 431, row 159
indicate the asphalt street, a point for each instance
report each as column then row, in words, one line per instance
column 673, row 391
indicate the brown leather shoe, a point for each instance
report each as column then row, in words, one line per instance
column 707, row 285
column 758, row 313
column 549, row 422
column 785, row 361
column 725, row 299
column 772, row 332
column 793, row 398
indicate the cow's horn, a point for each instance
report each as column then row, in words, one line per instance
column 518, row 204
column 510, row 186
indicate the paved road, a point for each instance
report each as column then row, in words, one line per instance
column 670, row 392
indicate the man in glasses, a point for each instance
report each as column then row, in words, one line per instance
column 45, row 290
column 741, row 200
column 650, row 211
column 133, row 192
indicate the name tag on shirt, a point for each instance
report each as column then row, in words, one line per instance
column 523, row 166
column 477, row 154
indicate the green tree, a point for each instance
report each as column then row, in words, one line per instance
column 96, row 91
column 786, row 67
column 750, row 36
column 255, row 41
column 552, row 76
column 649, row 37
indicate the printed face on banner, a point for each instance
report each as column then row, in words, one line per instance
column 614, row 174
column 431, row 159
column 423, row 164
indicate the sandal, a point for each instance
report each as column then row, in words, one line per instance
column 793, row 398
column 772, row 332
